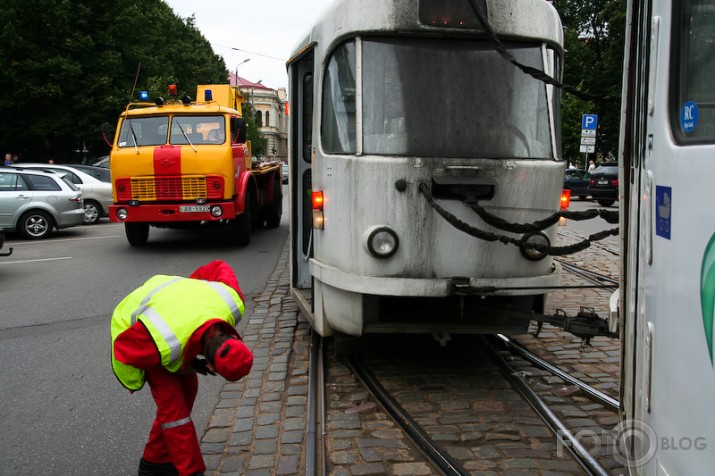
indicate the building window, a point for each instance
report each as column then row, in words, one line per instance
column 268, row 119
column 259, row 118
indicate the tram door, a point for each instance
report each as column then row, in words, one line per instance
column 301, row 146
column 669, row 361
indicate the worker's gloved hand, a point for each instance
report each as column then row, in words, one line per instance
column 201, row 366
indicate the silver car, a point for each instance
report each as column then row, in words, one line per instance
column 33, row 202
column 97, row 194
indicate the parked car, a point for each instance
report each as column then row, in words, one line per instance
column 2, row 243
column 34, row 203
column 97, row 194
column 100, row 173
column 102, row 162
column 603, row 184
column 577, row 181
column 285, row 173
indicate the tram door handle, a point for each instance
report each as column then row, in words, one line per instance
column 648, row 207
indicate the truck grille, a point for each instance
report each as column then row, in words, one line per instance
column 188, row 187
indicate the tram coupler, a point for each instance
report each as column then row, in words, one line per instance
column 586, row 325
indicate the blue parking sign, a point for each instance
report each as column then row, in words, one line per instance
column 589, row 121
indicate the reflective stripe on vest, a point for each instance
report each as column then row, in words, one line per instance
column 165, row 331
column 227, row 298
column 174, row 424
column 148, row 297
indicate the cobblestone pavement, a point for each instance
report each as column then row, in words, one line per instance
column 258, row 426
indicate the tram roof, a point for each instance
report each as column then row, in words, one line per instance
column 509, row 19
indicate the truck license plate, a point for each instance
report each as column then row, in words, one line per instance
column 193, row 208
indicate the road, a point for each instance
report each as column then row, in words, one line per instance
column 63, row 412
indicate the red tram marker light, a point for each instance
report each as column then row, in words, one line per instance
column 565, row 199
column 318, row 217
column 318, row 200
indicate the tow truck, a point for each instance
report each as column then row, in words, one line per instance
column 183, row 163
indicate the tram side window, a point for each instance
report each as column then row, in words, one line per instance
column 338, row 129
column 693, row 112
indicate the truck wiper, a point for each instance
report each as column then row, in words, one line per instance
column 178, row 124
column 134, row 135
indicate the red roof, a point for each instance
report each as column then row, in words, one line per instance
column 243, row 82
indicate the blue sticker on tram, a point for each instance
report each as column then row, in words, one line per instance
column 663, row 197
column 689, row 116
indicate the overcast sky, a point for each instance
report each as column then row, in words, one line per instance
column 264, row 31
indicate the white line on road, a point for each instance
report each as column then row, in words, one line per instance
column 42, row 242
column 34, row 260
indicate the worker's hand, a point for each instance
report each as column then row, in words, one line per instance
column 202, row 367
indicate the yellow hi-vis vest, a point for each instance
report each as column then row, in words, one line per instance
column 171, row 308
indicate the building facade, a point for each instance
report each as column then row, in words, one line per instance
column 271, row 114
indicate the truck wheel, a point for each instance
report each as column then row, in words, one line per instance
column 137, row 233
column 274, row 211
column 241, row 229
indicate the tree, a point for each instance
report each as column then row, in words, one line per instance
column 67, row 66
column 594, row 32
column 253, row 131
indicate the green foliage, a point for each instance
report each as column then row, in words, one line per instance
column 253, row 131
column 594, row 32
column 70, row 65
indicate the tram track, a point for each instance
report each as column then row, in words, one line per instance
column 456, row 412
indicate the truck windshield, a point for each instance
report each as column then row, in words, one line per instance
column 198, row 130
column 438, row 98
column 140, row 131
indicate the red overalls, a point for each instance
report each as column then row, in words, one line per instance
column 172, row 438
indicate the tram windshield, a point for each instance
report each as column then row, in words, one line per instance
column 437, row 98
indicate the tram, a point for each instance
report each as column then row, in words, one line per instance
column 415, row 132
column 667, row 223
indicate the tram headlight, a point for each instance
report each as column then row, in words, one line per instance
column 382, row 242
column 531, row 253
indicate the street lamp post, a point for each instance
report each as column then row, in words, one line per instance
column 239, row 64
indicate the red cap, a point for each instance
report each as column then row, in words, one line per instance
column 233, row 360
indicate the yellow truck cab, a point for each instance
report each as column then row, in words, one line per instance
column 180, row 163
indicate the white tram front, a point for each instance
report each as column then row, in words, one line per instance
column 401, row 107
column 668, row 232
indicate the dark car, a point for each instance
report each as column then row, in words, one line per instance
column 576, row 180
column 8, row 251
column 603, row 184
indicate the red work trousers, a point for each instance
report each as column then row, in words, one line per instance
column 172, row 438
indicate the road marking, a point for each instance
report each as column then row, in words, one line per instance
column 34, row 260
column 43, row 242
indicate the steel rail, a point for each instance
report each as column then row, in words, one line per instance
column 591, row 392
column 316, row 409
column 592, row 276
column 577, row 450
column 440, row 458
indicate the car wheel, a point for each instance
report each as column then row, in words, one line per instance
column 137, row 233
column 92, row 212
column 606, row 203
column 582, row 197
column 35, row 225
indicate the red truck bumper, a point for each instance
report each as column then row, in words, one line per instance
column 146, row 213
